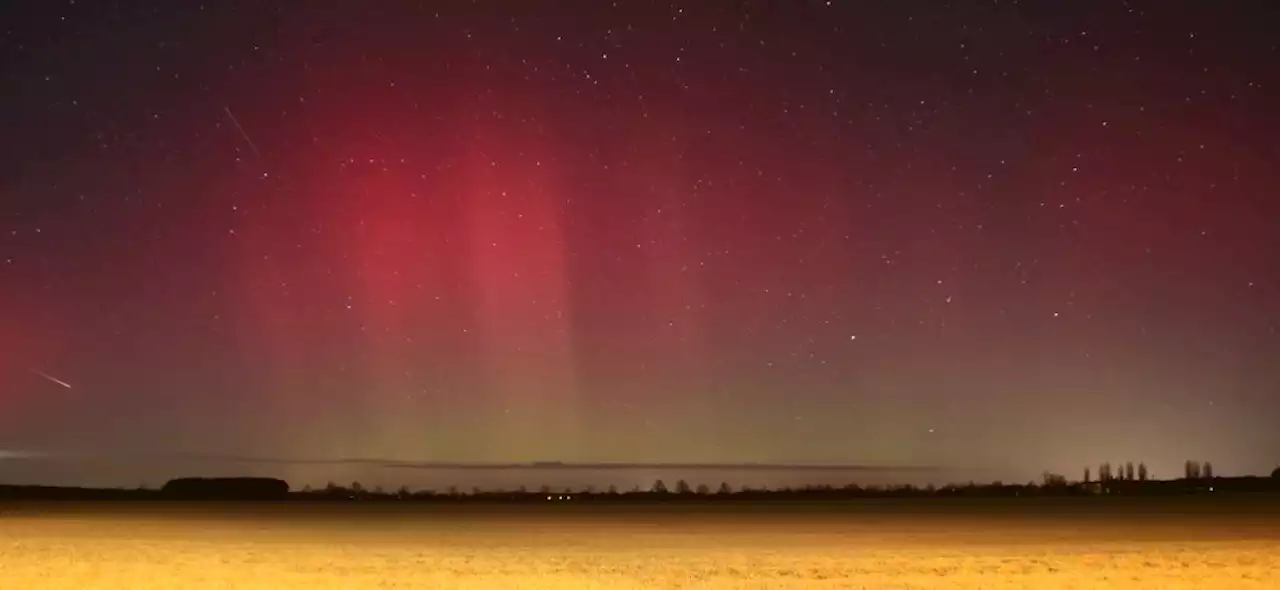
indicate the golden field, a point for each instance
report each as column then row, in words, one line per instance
column 874, row 546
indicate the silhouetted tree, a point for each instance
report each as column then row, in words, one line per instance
column 1142, row 472
column 1128, row 470
column 659, row 487
column 544, row 490
column 1207, row 470
column 1104, row 472
column 682, row 487
column 356, row 488
column 1086, row 475
column 703, row 489
column 613, row 490
column 1053, row 479
column 724, row 488
column 1191, row 470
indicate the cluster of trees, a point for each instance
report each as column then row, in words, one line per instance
column 1197, row 470
column 1192, row 470
column 226, row 488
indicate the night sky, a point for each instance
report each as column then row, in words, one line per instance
column 1008, row 235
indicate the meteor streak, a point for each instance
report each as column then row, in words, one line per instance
column 53, row 379
column 243, row 134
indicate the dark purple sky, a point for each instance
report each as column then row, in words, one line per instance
column 1013, row 236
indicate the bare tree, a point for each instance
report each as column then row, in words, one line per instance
column 659, row 487
column 1192, row 469
column 682, row 487
column 1142, row 472
column 1207, row 470
column 1128, row 470
column 724, row 488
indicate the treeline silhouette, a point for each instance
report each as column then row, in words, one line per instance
column 1198, row 478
